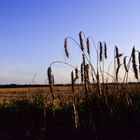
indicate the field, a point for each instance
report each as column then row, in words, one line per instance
column 31, row 113
column 61, row 90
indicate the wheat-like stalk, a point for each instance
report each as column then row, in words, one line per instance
column 72, row 81
column 117, row 55
column 81, row 41
column 124, row 63
column 82, row 73
column 75, row 114
column 139, row 60
column 51, row 81
column 105, row 50
column 134, row 63
column 86, row 68
column 65, row 47
column 101, row 50
column 76, row 74
column 52, row 78
column 84, row 61
column 49, row 75
column 88, row 46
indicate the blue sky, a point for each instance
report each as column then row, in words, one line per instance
column 32, row 33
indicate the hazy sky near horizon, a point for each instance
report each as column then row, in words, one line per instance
column 32, row 33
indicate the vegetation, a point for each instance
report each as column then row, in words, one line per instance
column 95, row 108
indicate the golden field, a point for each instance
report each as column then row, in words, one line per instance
column 23, row 92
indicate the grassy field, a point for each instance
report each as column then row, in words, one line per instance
column 24, row 92
column 32, row 113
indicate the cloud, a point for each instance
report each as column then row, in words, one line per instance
column 18, row 74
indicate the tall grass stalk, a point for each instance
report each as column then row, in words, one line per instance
column 134, row 65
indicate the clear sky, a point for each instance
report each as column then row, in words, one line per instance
column 32, row 33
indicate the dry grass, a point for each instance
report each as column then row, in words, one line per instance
column 63, row 91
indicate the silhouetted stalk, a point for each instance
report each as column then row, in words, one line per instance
column 105, row 50
column 117, row 55
column 105, row 57
column 101, row 59
column 125, row 80
column 75, row 113
column 114, row 70
column 51, row 81
column 98, row 75
column 65, row 47
column 92, row 68
column 124, row 63
column 81, row 41
column 87, row 72
column 82, row 73
column 72, row 81
column 76, row 74
column 101, row 50
column 134, row 63
column 126, row 67
column 85, row 78
column 139, row 60
column 88, row 46
column 117, row 72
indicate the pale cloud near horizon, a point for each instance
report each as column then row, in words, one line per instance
column 18, row 74
column 24, row 75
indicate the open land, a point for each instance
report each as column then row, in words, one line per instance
column 31, row 113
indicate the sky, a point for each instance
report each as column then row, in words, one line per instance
column 32, row 34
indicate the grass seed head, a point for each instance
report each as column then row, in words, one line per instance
column 65, row 47
column 51, row 81
column 88, row 46
column 49, row 75
column 117, row 51
column 117, row 55
column 101, row 50
column 139, row 57
column 81, row 41
column 105, row 50
column 84, row 61
column 76, row 74
column 134, row 63
column 72, row 81
column 139, row 60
